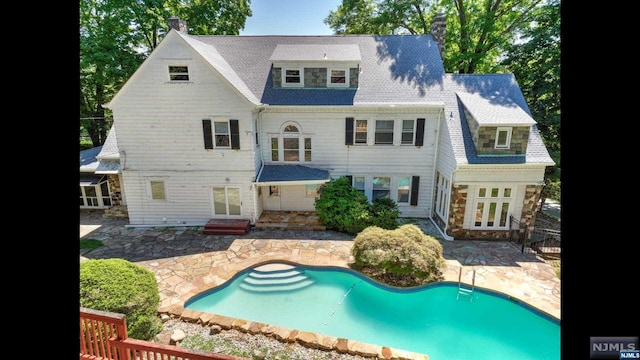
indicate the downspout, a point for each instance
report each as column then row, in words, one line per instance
column 443, row 233
column 255, row 197
column 261, row 108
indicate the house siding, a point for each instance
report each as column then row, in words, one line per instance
column 330, row 153
column 188, row 196
column 160, row 133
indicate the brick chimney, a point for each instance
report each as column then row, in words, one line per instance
column 439, row 30
column 177, row 24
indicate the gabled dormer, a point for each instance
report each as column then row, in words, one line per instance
column 315, row 66
column 498, row 126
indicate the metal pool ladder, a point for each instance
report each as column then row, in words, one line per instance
column 463, row 290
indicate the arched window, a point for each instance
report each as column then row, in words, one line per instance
column 291, row 145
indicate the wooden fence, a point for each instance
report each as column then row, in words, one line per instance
column 103, row 336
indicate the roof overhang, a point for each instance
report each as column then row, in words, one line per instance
column 92, row 179
column 291, row 175
column 108, row 167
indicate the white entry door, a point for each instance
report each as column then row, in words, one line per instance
column 226, row 201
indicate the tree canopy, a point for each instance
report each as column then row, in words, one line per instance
column 489, row 36
column 117, row 35
column 477, row 31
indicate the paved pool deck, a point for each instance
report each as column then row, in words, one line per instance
column 187, row 262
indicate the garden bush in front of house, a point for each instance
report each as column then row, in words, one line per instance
column 120, row 286
column 343, row 208
column 405, row 250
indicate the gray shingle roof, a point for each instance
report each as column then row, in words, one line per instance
column 275, row 173
column 315, row 52
column 394, row 69
column 110, row 146
column 88, row 161
column 500, row 91
column 485, row 113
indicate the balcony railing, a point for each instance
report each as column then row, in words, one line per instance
column 103, row 335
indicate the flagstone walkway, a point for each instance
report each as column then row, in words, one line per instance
column 187, row 262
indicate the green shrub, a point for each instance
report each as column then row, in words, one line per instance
column 90, row 244
column 120, row 286
column 405, row 250
column 385, row 213
column 343, row 208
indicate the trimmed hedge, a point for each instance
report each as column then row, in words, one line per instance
column 120, row 286
column 343, row 208
column 405, row 250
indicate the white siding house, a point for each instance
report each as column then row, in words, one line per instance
column 225, row 127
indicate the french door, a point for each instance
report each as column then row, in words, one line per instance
column 226, row 201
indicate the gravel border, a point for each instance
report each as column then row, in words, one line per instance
column 236, row 343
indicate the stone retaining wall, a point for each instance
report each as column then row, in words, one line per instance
column 305, row 338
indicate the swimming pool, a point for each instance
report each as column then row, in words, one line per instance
column 431, row 319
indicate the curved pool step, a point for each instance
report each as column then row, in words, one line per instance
column 277, row 287
column 276, row 277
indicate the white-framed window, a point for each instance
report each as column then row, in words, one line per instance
column 408, row 131
column 311, row 190
column 442, row 196
column 307, row 149
column 221, row 134
column 226, row 201
column 360, row 133
column 291, row 145
column 381, row 187
column 178, row 73
column 503, row 137
column 338, row 77
column 95, row 196
column 157, row 189
column 358, row 183
column 404, row 190
column 493, row 207
column 384, row 132
column 275, row 149
column 293, row 77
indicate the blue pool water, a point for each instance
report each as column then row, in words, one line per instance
column 432, row 319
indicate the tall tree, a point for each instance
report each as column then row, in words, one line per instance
column 535, row 62
column 477, row 30
column 116, row 36
column 107, row 58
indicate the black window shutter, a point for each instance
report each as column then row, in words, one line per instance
column 208, row 135
column 350, row 178
column 415, row 184
column 348, row 132
column 235, row 134
column 420, row 133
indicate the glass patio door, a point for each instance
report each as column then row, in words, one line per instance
column 226, row 201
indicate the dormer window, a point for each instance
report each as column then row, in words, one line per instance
column 292, row 77
column 503, row 137
column 178, row 73
column 338, row 78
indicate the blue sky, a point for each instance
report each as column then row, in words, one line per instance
column 289, row 17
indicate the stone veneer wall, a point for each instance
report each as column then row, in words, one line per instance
column 529, row 208
column 305, row 338
column 353, row 77
column 456, row 209
column 484, row 138
column 458, row 205
column 276, row 77
column 315, row 77
column 117, row 210
column 485, row 144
